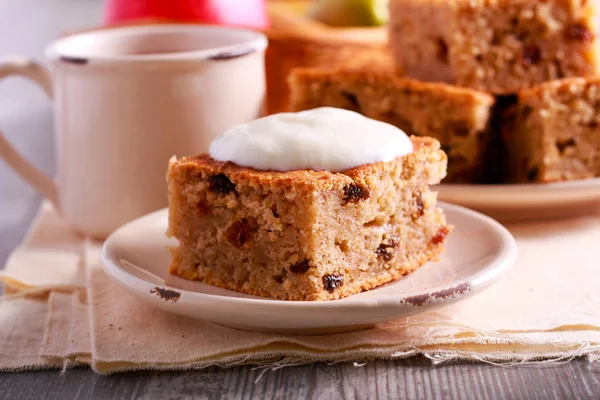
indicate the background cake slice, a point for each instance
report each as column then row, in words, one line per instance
column 497, row 45
column 289, row 50
column 457, row 117
column 553, row 132
column 306, row 235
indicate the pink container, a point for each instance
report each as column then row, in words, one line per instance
column 246, row 13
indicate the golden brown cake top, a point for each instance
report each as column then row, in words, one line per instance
column 565, row 86
column 426, row 161
column 385, row 79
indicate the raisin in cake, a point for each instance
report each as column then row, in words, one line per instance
column 305, row 235
column 554, row 134
column 497, row 45
column 456, row 117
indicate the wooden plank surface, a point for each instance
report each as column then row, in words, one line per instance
column 25, row 116
column 410, row 379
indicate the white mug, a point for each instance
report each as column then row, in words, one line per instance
column 125, row 101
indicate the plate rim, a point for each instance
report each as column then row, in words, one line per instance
column 502, row 262
column 579, row 184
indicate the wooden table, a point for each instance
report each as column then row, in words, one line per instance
column 25, row 116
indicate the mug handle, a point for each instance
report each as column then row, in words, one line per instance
column 27, row 68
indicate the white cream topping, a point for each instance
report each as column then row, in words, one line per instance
column 326, row 138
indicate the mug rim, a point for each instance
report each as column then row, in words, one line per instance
column 256, row 42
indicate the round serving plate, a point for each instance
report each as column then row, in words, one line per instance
column 478, row 251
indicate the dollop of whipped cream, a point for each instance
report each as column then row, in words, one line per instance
column 325, row 138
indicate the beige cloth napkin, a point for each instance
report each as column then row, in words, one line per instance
column 61, row 310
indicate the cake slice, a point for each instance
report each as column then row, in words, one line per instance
column 500, row 46
column 554, row 132
column 304, row 234
column 457, row 117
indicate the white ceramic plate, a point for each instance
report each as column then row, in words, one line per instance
column 477, row 252
column 526, row 201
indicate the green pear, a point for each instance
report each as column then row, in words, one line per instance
column 341, row 13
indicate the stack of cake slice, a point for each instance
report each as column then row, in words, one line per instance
column 508, row 83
